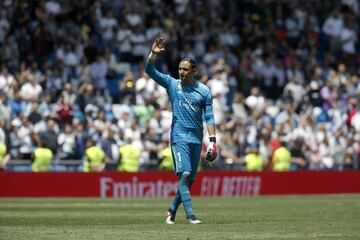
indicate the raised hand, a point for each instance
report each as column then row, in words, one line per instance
column 158, row 45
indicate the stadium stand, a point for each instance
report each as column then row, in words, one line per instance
column 281, row 73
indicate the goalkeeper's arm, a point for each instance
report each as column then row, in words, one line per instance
column 160, row 78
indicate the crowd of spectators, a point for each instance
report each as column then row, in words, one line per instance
column 281, row 72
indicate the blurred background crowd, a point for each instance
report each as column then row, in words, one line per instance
column 284, row 77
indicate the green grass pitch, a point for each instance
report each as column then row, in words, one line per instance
column 270, row 217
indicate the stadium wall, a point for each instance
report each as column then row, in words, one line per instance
column 164, row 184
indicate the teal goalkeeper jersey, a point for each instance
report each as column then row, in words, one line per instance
column 188, row 106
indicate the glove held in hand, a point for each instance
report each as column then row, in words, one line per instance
column 211, row 152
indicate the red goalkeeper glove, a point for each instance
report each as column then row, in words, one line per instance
column 211, row 151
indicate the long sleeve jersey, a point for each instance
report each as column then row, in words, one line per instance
column 188, row 106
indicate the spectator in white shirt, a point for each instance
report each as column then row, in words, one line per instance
column 30, row 90
column 6, row 79
column 123, row 41
column 133, row 17
column 138, row 40
column 348, row 38
column 107, row 25
column 256, row 102
column 332, row 28
column 144, row 87
column 66, row 142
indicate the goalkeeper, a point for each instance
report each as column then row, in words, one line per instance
column 189, row 99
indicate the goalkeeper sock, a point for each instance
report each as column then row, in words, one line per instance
column 177, row 200
column 184, row 184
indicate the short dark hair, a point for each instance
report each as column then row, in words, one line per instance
column 191, row 61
